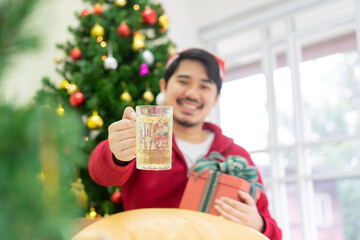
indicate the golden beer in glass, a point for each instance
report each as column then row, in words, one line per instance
column 154, row 137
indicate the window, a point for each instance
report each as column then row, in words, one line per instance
column 292, row 99
column 323, row 210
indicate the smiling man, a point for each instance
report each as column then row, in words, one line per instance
column 191, row 84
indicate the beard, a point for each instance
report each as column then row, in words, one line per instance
column 185, row 123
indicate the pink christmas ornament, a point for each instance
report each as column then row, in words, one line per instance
column 143, row 70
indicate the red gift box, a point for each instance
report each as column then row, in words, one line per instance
column 201, row 192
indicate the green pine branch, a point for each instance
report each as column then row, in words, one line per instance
column 13, row 14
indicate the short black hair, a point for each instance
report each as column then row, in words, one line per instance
column 209, row 61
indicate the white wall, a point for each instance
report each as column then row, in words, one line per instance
column 52, row 19
column 23, row 77
column 182, row 30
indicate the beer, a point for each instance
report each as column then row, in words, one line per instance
column 153, row 141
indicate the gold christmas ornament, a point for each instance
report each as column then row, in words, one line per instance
column 148, row 96
column 78, row 189
column 125, row 96
column 60, row 110
column 120, row 3
column 95, row 121
column 138, row 41
column 139, row 35
column 138, row 44
column 97, row 30
column 72, row 88
column 64, row 84
column 164, row 22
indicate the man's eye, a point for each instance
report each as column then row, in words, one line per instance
column 182, row 81
column 204, row 87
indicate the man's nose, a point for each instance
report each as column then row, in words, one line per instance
column 192, row 92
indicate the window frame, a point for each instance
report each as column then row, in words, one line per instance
column 267, row 64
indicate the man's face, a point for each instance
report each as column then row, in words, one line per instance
column 190, row 92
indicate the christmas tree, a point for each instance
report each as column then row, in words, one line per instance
column 38, row 151
column 116, row 59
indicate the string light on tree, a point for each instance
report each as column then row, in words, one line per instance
column 136, row 7
column 92, row 214
column 103, row 44
column 99, row 39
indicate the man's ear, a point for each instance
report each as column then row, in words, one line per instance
column 162, row 84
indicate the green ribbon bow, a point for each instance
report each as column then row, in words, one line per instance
column 233, row 165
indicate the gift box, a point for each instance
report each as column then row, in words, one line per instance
column 210, row 179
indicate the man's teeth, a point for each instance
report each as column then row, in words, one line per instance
column 189, row 106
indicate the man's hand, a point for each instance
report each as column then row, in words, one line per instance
column 244, row 211
column 122, row 136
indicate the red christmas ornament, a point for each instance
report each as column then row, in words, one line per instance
column 149, row 16
column 77, row 99
column 123, row 30
column 75, row 54
column 116, row 197
column 85, row 13
column 98, row 9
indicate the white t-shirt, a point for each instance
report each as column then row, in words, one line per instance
column 193, row 152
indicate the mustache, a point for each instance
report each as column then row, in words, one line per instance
column 179, row 100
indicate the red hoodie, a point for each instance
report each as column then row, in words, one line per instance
column 164, row 189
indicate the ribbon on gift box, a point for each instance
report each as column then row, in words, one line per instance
column 233, row 165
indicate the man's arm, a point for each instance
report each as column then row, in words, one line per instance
column 104, row 170
column 112, row 161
